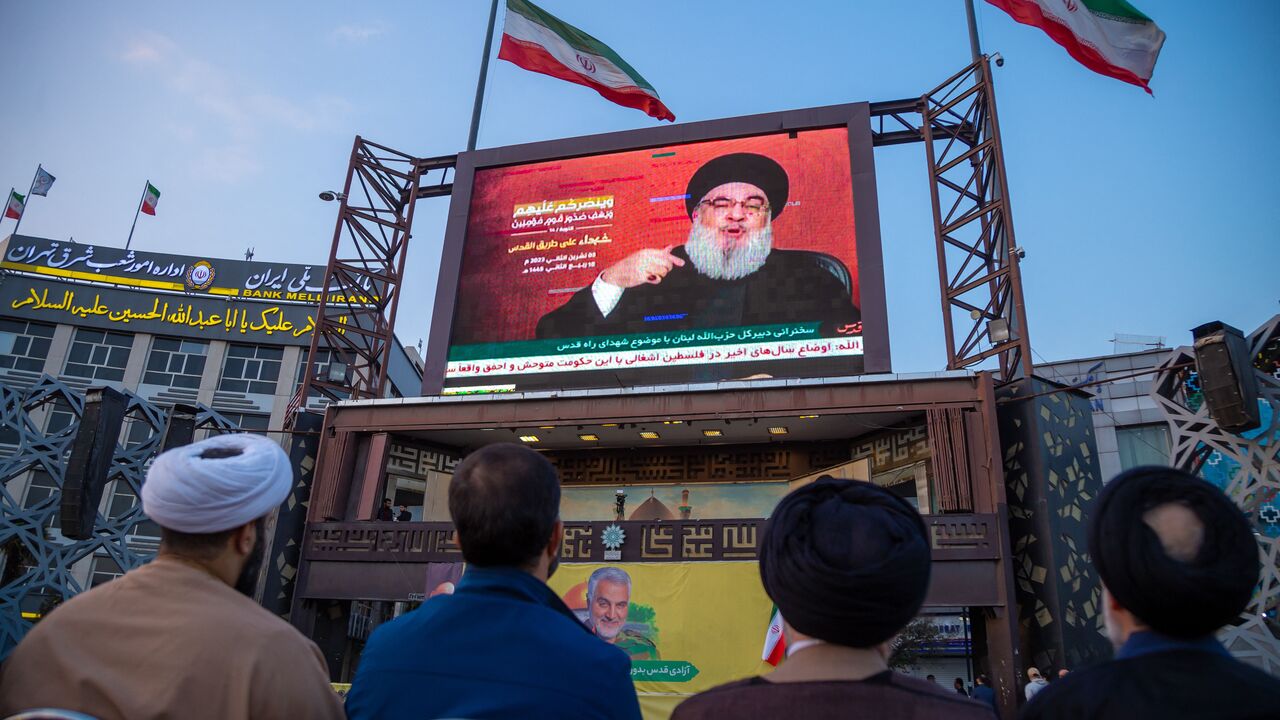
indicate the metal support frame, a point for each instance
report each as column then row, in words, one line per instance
column 977, row 257
column 357, row 311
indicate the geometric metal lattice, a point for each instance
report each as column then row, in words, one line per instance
column 39, row 427
column 1246, row 467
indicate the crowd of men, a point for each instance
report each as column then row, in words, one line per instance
column 847, row 563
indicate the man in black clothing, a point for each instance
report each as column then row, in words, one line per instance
column 386, row 513
column 727, row 273
column 1177, row 560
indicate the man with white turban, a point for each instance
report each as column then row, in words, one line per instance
column 179, row 637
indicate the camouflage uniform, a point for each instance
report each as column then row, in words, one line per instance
column 636, row 646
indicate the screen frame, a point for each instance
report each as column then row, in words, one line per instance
column 854, row 117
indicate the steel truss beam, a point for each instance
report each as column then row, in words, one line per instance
column 978, row 269
column 357, row 312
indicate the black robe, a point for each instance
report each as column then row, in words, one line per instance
column 791, row 287
column 1182, row 683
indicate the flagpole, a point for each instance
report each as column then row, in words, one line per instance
column 974, row 47
column 145, row 185
column 27, row 201
column 484, row 74
column 8, row 199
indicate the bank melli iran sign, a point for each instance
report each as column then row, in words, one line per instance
column 285, row 283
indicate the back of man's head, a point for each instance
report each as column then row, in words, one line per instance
column 1173, row 550
column 216, row 485
column 504, row 500
column 846, row 562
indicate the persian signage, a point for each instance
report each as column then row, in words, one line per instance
column 274, row 282
column 189, row 316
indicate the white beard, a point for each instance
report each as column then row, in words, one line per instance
column 703, row 249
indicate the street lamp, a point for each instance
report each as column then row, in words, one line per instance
column 331, row 195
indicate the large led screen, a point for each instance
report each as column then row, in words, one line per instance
column 697, row 262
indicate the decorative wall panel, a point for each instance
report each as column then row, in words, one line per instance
column 36, row 561
column 1246, row 467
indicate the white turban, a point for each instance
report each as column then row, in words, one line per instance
column 243, row 479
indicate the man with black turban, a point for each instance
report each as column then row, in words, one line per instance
column 727, row 273
column 847, row 563
column 1177, row 560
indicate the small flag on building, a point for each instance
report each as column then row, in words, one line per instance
column 149, row 199
column 775, row 644
column 539, row 42
column 17, row 204
column 40, row 186
column 1110, row 37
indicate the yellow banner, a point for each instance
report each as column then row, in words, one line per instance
column 687, row 626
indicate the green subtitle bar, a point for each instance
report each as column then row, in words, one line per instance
column 635, row 341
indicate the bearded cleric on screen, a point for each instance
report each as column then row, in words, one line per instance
column 727, row 273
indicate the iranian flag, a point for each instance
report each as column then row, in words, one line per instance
column 16, row 204
column 539, row 42
column 1107, row 36
column 775, row 645
column 149, row 199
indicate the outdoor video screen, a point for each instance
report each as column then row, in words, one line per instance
column 698, row 262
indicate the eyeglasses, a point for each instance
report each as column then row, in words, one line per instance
column 752, row 206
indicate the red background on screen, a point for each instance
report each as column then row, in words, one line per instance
column 496, row 303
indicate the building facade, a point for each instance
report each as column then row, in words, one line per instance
column 230, row 337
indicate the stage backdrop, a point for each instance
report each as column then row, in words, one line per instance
column 682, row 636
column 538, row 233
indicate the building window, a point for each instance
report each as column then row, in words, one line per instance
column 24, row 345
column 123, row 500
column 61, row 417
column 98, row 355
column 136, row 431
column 104, row 570
column 248, row 422
column 176, row 363
column 1143, row 445
column 324, row 358
column 41, row 488
column 251, row 369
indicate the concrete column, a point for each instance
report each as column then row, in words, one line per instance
column 212, row 372
column 137, row 362
column 285, row 386
column 58, row 349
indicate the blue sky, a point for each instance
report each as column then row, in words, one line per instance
column 1139, row 214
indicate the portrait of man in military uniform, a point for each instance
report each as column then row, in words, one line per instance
column 608, row 602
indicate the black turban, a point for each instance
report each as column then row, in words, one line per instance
column 846, row 562
column 757, row 170
column 1183, row 599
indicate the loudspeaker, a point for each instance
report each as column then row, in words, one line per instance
column 180, row 428
column 91, row 454
column 1225, row 366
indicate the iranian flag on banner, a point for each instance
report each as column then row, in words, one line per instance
column 16, row 203
column 1107, row 36
column 538, row 41
column 149, row 199
column 775, row 645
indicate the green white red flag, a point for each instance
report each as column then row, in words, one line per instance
column 775, row 643
column 540, row 42
column 16, row 205
column 149, row 199
column 1110, row 37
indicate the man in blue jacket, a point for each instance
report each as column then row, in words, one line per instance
column 503, row 645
